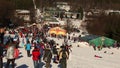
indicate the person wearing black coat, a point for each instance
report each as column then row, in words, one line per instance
column 1, row 37
column 47, row 56
column 63, row 57
column 1, row 56
column 55, row 53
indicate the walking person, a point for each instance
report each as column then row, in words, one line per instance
column 28, row 48
column 1, row 56
column 47, row 56
column 10, row 55
column 35, row 57
column 63, row 56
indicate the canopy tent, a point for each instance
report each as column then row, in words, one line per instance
column 88, row 37
column 57, row 31
column 100, row 41
column 109, row 42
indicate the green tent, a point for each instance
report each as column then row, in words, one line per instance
column 109, row 42
column 87, row 38
column 100, row 41
column 96, row 42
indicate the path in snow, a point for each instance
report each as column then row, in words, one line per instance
column 82, row 57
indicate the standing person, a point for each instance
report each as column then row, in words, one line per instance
column 118, row 45
column 28, row 48
column 41, row 51
column 10, row 55
column 1, row 56
column 47, row 56
column 35, row 57
column 1, row 37
column 63, row 56
column 70, row 52
column 67, row 48
column 55, row 53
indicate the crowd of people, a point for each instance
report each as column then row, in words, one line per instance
column 36, row 45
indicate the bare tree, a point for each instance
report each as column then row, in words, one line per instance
column 7, row 12
column 105, row 25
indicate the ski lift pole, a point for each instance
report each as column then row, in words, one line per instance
column 35, row 8
column 102, row 39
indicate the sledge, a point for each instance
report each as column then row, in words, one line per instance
column 97, row 56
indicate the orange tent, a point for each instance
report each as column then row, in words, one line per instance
column 57, row 31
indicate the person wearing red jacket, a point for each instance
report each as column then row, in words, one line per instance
column 35, row 57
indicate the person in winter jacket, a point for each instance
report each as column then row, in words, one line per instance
column 63, row 56
column 41, row 48
column 55, row 53
column 10, row 55
column 28, row 48
column 1, row 37
column 47, row 56
column 1, row 56
column 35, row 57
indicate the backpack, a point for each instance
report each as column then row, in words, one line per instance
column 16, row 53
column 64, row 56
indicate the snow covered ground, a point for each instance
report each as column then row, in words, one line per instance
column 81, row 57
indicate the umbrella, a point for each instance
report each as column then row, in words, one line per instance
column 57, row 31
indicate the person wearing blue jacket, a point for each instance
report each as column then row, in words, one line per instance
column 28, row 48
